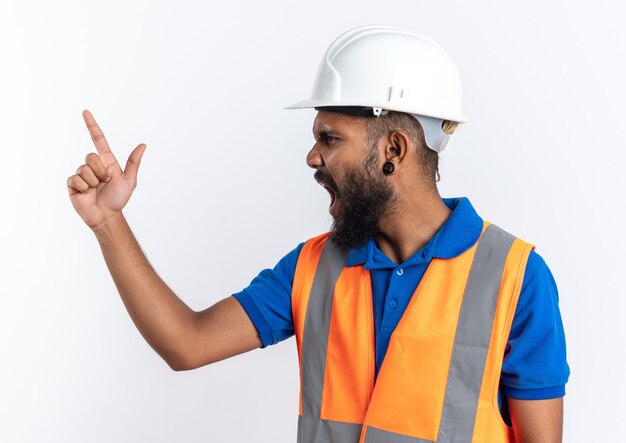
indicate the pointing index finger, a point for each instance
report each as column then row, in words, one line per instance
column 96, row 134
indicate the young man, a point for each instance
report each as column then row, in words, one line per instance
column 415, row 320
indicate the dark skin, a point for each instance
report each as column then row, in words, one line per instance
column 341, row 142
column 187, row 339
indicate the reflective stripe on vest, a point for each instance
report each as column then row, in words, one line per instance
column 361, row 412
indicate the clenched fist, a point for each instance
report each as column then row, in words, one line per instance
column 100, row 188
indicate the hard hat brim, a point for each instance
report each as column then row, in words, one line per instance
column 307, row 104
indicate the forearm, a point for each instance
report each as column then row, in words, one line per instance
column 164, row 320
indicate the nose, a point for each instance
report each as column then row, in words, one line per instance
column 314, row 158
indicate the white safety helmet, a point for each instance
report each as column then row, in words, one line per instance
column 390, row 69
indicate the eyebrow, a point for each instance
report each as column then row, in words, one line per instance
column 326, row 132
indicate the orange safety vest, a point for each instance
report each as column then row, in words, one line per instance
column 440, row 376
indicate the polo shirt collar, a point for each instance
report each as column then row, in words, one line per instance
column 459, row 232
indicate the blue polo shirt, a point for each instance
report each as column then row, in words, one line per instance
column 534, row 365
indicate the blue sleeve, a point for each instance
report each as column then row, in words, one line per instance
column 535, row 365
column 267, row 300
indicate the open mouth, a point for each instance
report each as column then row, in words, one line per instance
column 332, row 194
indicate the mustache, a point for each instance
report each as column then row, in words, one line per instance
column 326, row 179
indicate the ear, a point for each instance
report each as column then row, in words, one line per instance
column 397, row 148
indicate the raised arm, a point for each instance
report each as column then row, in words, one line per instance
column 184, row 338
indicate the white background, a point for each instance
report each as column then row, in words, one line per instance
column 224, row 192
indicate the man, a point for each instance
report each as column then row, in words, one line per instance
column 415, row 319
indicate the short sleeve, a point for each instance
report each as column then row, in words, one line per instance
column 267, row 300
column 535, row 365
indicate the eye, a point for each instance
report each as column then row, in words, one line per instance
column 326, row 138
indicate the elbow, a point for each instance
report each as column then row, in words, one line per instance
column 185, row 353
column 178, row 361
column 183, row 362
column 187, row 364
column 177, row 366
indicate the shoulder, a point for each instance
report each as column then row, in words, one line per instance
column 499, row 231
column 312, row 248
column 537, row 272
column 286, row 266
column 317, row 241
column 539, row 292
column 538, row 278
column 539, row 295
column 267, row 299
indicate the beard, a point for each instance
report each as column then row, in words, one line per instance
column 366, row 197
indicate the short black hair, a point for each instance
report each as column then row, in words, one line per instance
column 378, row 127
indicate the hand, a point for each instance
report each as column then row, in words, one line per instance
column 100, row 188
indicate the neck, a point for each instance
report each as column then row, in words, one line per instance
column 415, row 221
